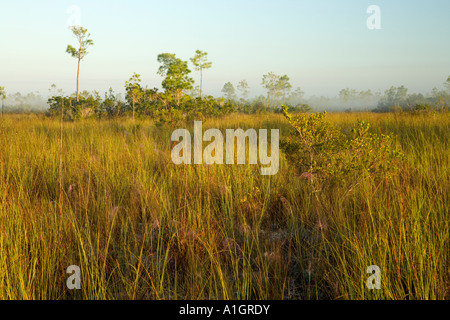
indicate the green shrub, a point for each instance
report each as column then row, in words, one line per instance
column 317, row 147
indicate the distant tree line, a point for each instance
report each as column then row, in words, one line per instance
column 179, row 99
column 398, row 99
column 19, row 103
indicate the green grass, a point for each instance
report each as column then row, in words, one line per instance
column 140, row 227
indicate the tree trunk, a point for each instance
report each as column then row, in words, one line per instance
column 201, row 82
column 78, row 81
column 61, row 159
column 133, row 110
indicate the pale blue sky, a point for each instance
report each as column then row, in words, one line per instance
column 322, row 45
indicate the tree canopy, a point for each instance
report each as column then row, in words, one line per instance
column 229, row 91
column 82, row 36
column 176, row 73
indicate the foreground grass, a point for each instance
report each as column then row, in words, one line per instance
column 139, row 227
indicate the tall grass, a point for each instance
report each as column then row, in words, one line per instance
column 140, row 227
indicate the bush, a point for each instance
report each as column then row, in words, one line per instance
column 315, row 146
column 172, row 117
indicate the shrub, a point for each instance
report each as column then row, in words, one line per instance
column 317, row 147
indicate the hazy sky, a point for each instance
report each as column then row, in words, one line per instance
column 322, row 45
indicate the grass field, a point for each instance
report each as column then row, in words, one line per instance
column 105, row 196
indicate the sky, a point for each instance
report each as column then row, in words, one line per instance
column 322, row 45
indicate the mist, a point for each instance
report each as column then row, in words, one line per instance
column 29, row 102
column 347, row 100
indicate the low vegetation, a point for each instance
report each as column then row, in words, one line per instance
column 104, row 195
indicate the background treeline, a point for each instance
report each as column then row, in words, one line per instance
column 21, row 103
column 179, row 99
column 114, row 104
column 144, row 102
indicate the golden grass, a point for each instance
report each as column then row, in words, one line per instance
column 140, row 227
